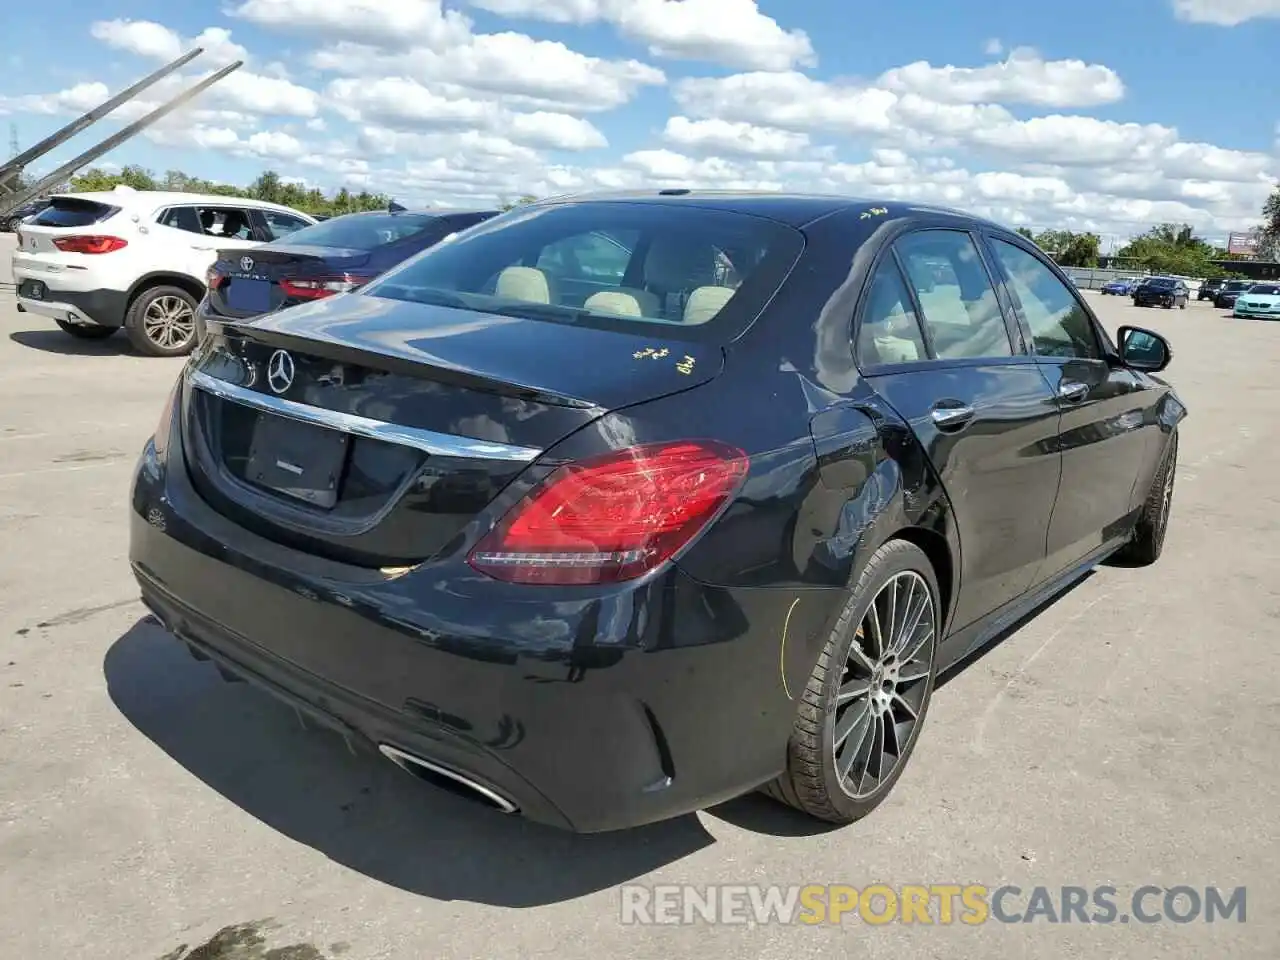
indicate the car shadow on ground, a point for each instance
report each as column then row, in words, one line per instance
column 55, row 341
column 366, row 814
column 356, row 808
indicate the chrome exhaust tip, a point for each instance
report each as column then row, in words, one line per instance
column 427, row 770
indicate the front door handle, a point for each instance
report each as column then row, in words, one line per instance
column 1072, row 391
column 950, row 415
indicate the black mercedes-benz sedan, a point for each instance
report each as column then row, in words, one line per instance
column 615, row 507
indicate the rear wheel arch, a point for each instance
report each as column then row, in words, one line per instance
column 164, row 279
column 934, row 546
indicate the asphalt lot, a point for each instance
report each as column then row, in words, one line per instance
column 1128, row 734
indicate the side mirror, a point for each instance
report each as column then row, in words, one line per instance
column 1144, row 350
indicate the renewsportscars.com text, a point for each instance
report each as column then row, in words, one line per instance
column 930, row 904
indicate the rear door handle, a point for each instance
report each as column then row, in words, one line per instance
column 950, row 414
column 1072, row 390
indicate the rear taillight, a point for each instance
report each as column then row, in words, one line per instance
column 614, row 517
column 90, row 244
column 213, row 279
column 316, row 288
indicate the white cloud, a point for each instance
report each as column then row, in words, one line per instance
column 993, row 47
column 1225, row 13
column 399, row 102
column 1024, row 77
column 539, row 73
column 730, row 32
column 733, row 139
column 403, row 23
column 153, row 40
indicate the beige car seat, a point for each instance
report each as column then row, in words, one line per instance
column 524, row 283
column 705, row 302
column 625, row 302
column 673, row 268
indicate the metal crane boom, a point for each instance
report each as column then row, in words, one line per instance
column 12, row 199
column 15, row 164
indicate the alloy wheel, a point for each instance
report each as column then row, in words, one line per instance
column 169, row 322
column 884, row 684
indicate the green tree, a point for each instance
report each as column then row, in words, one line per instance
column 269, row 186
column 1173, row 248
column 518, row 202
column 1269, row 232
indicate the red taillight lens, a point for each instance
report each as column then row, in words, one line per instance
column 614, row 517
column 90, row 244
column 213, row 279
column 317, row 288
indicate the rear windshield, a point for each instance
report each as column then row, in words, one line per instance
column 703, row 274
column 362, row 231
column 73, row 212
column 1161, row 283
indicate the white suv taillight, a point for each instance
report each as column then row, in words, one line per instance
column 90, row 244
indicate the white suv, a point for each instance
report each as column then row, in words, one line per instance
column 95, row 262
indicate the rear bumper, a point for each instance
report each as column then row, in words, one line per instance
column 103, row 308
column 589, row 714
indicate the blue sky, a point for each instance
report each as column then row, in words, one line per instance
column 1108, row 116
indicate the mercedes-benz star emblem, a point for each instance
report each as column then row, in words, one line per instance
column 280, row 371
column 246, row 264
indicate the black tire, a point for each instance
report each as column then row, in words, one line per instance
column 12, row 225
column 1153, row 523
column 85, row 332
column 810, row 782
column 155, row 337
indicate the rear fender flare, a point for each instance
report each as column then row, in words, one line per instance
column 157, row 278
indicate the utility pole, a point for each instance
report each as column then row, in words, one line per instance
column 14, row 149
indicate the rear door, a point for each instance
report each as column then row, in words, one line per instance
column 935, row 342
column 1108, row 422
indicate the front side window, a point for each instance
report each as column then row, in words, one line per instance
column 1058, row 322
column 608, row 264
column 589, row 256
column 959, row 303
column 227, row 223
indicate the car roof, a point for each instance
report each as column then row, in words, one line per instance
column 162, row 198
column 793, row 209
column 426, row 211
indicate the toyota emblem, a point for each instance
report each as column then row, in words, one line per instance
column 246, row 264
column 280, row 371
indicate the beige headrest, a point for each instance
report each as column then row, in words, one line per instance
column 524, row 283
column 624, row 302
column 705, row 302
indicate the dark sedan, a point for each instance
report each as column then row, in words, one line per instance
column 10, row 221
column 1227, row 296
column 1209, row 289
column 613, row 508
column 335, row 256
column 1162, row 292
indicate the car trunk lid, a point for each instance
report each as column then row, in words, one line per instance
column 245, row 284
column 373, row 431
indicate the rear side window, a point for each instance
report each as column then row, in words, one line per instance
column 73, row 212
column 181, row 218
column 890, row 329
column 693, row 272
column 959, row 303
column 363, row 231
